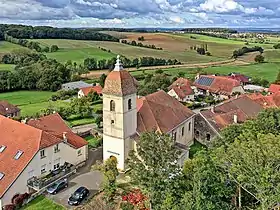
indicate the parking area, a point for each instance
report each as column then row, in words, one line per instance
column 91, row 180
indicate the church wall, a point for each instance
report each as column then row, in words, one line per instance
column 186, row 137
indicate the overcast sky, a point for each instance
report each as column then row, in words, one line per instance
column 142, row 13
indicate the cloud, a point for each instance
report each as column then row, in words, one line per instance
column 142, row 13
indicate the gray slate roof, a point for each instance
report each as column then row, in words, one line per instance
column 76, row 85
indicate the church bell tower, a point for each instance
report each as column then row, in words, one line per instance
column 119, row 114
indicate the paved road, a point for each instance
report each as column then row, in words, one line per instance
column 90, row 180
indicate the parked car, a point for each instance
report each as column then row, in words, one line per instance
column 78, row 196
column 57, row 186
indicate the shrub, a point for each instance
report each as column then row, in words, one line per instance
column 259, row 59
column 9, row 207
column 127, row 206
column 18, row 201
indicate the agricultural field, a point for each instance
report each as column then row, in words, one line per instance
column 6, row 67
column 6, row 47
column 78, row 50
column 30, row 102
column 272, row 55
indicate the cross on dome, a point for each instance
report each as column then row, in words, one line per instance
column 118, row 65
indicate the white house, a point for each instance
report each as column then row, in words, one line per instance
column 28, row 153
column 125, row 117
column 85, row 91
column 182, row 90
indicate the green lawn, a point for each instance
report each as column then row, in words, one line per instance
column 93, row 142
column 42, row 203
column 6, row 67
column 77, row 122
column 272, row 55
column 30, row 102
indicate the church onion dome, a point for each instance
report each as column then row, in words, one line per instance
column 119, row 82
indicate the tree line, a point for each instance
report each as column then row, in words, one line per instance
column 47, row 32
column 139, row 44
column 218, row 30
column 31, row 44
column 244, row 50
column 33, row 71
column 276, row 46
column 94, row 64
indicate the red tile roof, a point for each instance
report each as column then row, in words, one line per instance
column 274, row 88
column 7, row 108
column 239, row 77
column 160, row 112
column 17, row 136
column 243, row 106
column 220, row 85
column 87, row 90
column 55, row 125
column 270, row 101
column 120, row 83
column 182, row 87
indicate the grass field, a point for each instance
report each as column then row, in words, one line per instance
column 6, row 67
column 6, row 47
column 272, row 55
column 93, row 142
column 30, row 102
column 42, row 203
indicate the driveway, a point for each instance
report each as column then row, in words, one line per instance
column 84, row 177
column 90, row 180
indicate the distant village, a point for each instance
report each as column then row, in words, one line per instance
column 36, row 153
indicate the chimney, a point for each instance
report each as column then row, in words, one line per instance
column 64, row 136
column 235, row 118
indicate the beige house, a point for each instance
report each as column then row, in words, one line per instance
column 181, row 90
column 125, row 117
column 28, row 153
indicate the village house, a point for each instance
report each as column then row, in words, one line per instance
column 125, row 117
column 31, row 152
column 9, row 110
column 218, row 86
column 86, row 90
column 209, row 123
column 274, row 88
column 75, row 85
column 181, row 90
column 239, row 77
column 269, row 101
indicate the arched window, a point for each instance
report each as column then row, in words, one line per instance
column 190, row 126
column 183, row 131
column 129, row 104
column 112, row 106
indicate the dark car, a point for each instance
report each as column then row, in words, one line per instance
column 78, row 196
column 57, row 186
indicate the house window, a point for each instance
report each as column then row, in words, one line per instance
column 208, row 137
column 56, row 164
column 18, row 155
column 112, row 106
column 43, row 169
column 56, row 149
column 2, row 148
column 79, row 152
column 197, row 133
column 1, row 175
column 42, row 154
column 129, row 104
column 112, row 122
column 183, row 131
column 190, row 126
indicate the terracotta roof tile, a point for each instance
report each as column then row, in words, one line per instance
column 182, row 87
column 87, row 90
column 160, row 112
column 274, row 88
column 270, row 101
column 120, row 83
column 220, row 84
column 7, row 108
column 239, row 77
column 55, row 125
column 17, row 137
column 243, row 106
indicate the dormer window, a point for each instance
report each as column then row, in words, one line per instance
column 1, row 175
column 18, row 155
column 2, row 148
column 129, row 104
column 112, row 106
